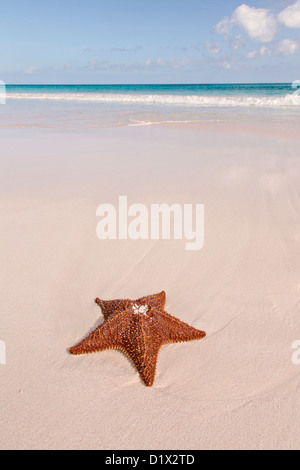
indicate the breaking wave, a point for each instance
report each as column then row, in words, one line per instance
column 177, row 100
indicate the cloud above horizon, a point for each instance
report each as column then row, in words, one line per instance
column 247, row 25
column 261, row 25
column 290, row 17
column 249, row 39
column 213, row 47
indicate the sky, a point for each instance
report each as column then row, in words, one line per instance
column 157, row 41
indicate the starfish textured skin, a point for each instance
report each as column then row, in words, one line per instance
column 139, row 328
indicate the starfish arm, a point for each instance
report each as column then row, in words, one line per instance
column 109, row 307
column 173, row 330
column 143, row 348
column 106, row 336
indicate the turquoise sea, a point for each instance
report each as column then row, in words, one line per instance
column 252, row 89
column 124, row 105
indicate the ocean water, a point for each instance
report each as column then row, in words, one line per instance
column 93, row 106
column 281, row 94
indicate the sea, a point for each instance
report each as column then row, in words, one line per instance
column 97, row 106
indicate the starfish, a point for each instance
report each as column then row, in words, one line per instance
column 138, row 328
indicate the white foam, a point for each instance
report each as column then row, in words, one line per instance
column 179, row 100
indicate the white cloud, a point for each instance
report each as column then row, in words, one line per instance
column 224, row 26
column 263, row 51
column 260, row 24
column 30, row 70
column 97, row 65
column 238, row 42
column 252, row 54
column 37, row 70
column 290, row 17
column 137, row 48
column 226, row 65
column 284, row 47
column 213, row 47
column 287, row 47
column 171, row 63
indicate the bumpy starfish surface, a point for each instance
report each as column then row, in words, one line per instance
column 138, row 328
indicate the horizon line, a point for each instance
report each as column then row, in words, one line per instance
column 148, row 84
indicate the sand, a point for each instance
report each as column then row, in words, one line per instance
column 237, row 388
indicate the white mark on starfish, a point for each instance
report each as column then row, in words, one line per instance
column 143, row 309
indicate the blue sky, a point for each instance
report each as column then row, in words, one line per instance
column 157, row 41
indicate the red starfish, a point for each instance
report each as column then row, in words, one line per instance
column 138, row 328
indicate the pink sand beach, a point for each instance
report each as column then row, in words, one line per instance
column 236, row 389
